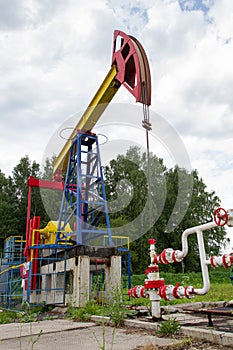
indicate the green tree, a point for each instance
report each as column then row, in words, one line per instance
column 179, row 200
column 8, row 209
column 19, row 191
column 51, row 199
column 127, row 192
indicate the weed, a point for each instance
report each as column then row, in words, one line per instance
column 171, row 326
column 32, row 340
column 84, row 313
column 78, row 314
column 93, row 308
column 52, row 317
column 102, row 346
column 31, row 313
column 116, row 309
column 7, row 316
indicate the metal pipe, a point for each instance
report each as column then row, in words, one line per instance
column 189, row 231
column 204, row 266
column 99, row 261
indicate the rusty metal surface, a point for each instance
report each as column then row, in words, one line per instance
column 225, row 311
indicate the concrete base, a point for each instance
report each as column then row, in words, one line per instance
column 69, row 281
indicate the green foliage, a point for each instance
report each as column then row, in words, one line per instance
column 7, row 316
column 51, row 199
column 171, row 326
column 179, row 200
column 79, row 314
column 19, row 190
column 27, row 315
column 116, row 309
column 31, row 313
column 14, row 198
column 8, row 209
column 84, row 313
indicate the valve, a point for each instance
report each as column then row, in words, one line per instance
column 230, row 217
column 137, row 292
column 153, row 284
column 170, row 292
column 168, row 256
column 225, row 260
column 220, row 217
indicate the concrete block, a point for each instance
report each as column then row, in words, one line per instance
column 81, row 284
column 113, row 275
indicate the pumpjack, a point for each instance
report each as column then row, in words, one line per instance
column 84, row 201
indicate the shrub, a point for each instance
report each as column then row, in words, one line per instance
column 171, row 326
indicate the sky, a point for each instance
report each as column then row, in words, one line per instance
column 55, row 54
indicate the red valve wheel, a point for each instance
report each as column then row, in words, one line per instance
column 220, row 217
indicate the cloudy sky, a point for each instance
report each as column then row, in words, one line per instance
column 55, row 54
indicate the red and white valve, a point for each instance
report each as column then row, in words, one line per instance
column 170, row 292
column 168, row 256
column 154, row 286
column 137, row 292
column 225, row 260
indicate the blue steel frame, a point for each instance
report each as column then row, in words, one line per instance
column 84, row 201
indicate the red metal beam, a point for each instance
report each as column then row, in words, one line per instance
column 52, row 185
column 32, row 182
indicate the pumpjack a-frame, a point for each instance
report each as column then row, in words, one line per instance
column 84, row 203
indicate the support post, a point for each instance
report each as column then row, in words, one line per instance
column 82, row 281
column 113, row 276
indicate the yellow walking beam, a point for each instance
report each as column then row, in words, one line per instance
column 91, row 115
column 130, row 67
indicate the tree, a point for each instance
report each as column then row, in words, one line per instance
column 179, row 200
column 51, row 199
column 14, row 197
column 19, row 191
column 8, row 209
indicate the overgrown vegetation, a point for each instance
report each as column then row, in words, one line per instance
column 168, row 327
column 7, row 316
column 116, row 309
column 84, row 313
column 220, row 290
column 27, row 314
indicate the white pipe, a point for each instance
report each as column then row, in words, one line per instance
column 155, row 303
column 189, row 231
column 204, row 266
